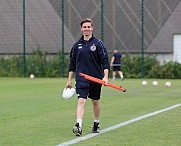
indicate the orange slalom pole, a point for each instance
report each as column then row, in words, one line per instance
column 102, row 82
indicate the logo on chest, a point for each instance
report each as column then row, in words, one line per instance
column 93, row 47
column 79, row 46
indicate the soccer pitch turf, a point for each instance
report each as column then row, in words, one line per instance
column 33, row 112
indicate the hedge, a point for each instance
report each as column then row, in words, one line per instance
column 41, row 64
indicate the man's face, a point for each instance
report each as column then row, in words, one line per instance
column 87, row 29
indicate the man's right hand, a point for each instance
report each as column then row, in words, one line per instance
column 69, row 84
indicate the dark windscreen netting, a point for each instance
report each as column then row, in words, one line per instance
column 43, row 23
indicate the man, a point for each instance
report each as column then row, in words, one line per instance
column 89, row 56
column 116, row 64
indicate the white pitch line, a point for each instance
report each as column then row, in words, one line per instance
column 117, row 126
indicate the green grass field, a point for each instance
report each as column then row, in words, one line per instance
column 33, row 113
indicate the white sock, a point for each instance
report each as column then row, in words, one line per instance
column 80, row 122
column 97, row 121
column 121, row 76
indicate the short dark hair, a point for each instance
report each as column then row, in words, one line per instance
column 86, row 20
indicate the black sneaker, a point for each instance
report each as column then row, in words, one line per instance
column 77, row 130
column 96, row 128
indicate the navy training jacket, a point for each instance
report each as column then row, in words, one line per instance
column 117, row 60
column 89, row 57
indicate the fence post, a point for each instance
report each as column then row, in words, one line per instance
column 62, row 63
column 142, row 38
column 102, row 20
column 24, row 39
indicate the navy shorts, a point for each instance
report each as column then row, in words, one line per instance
column 116, row 68
column 88, row 90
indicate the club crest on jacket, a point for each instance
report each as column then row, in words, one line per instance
column 93, row 47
